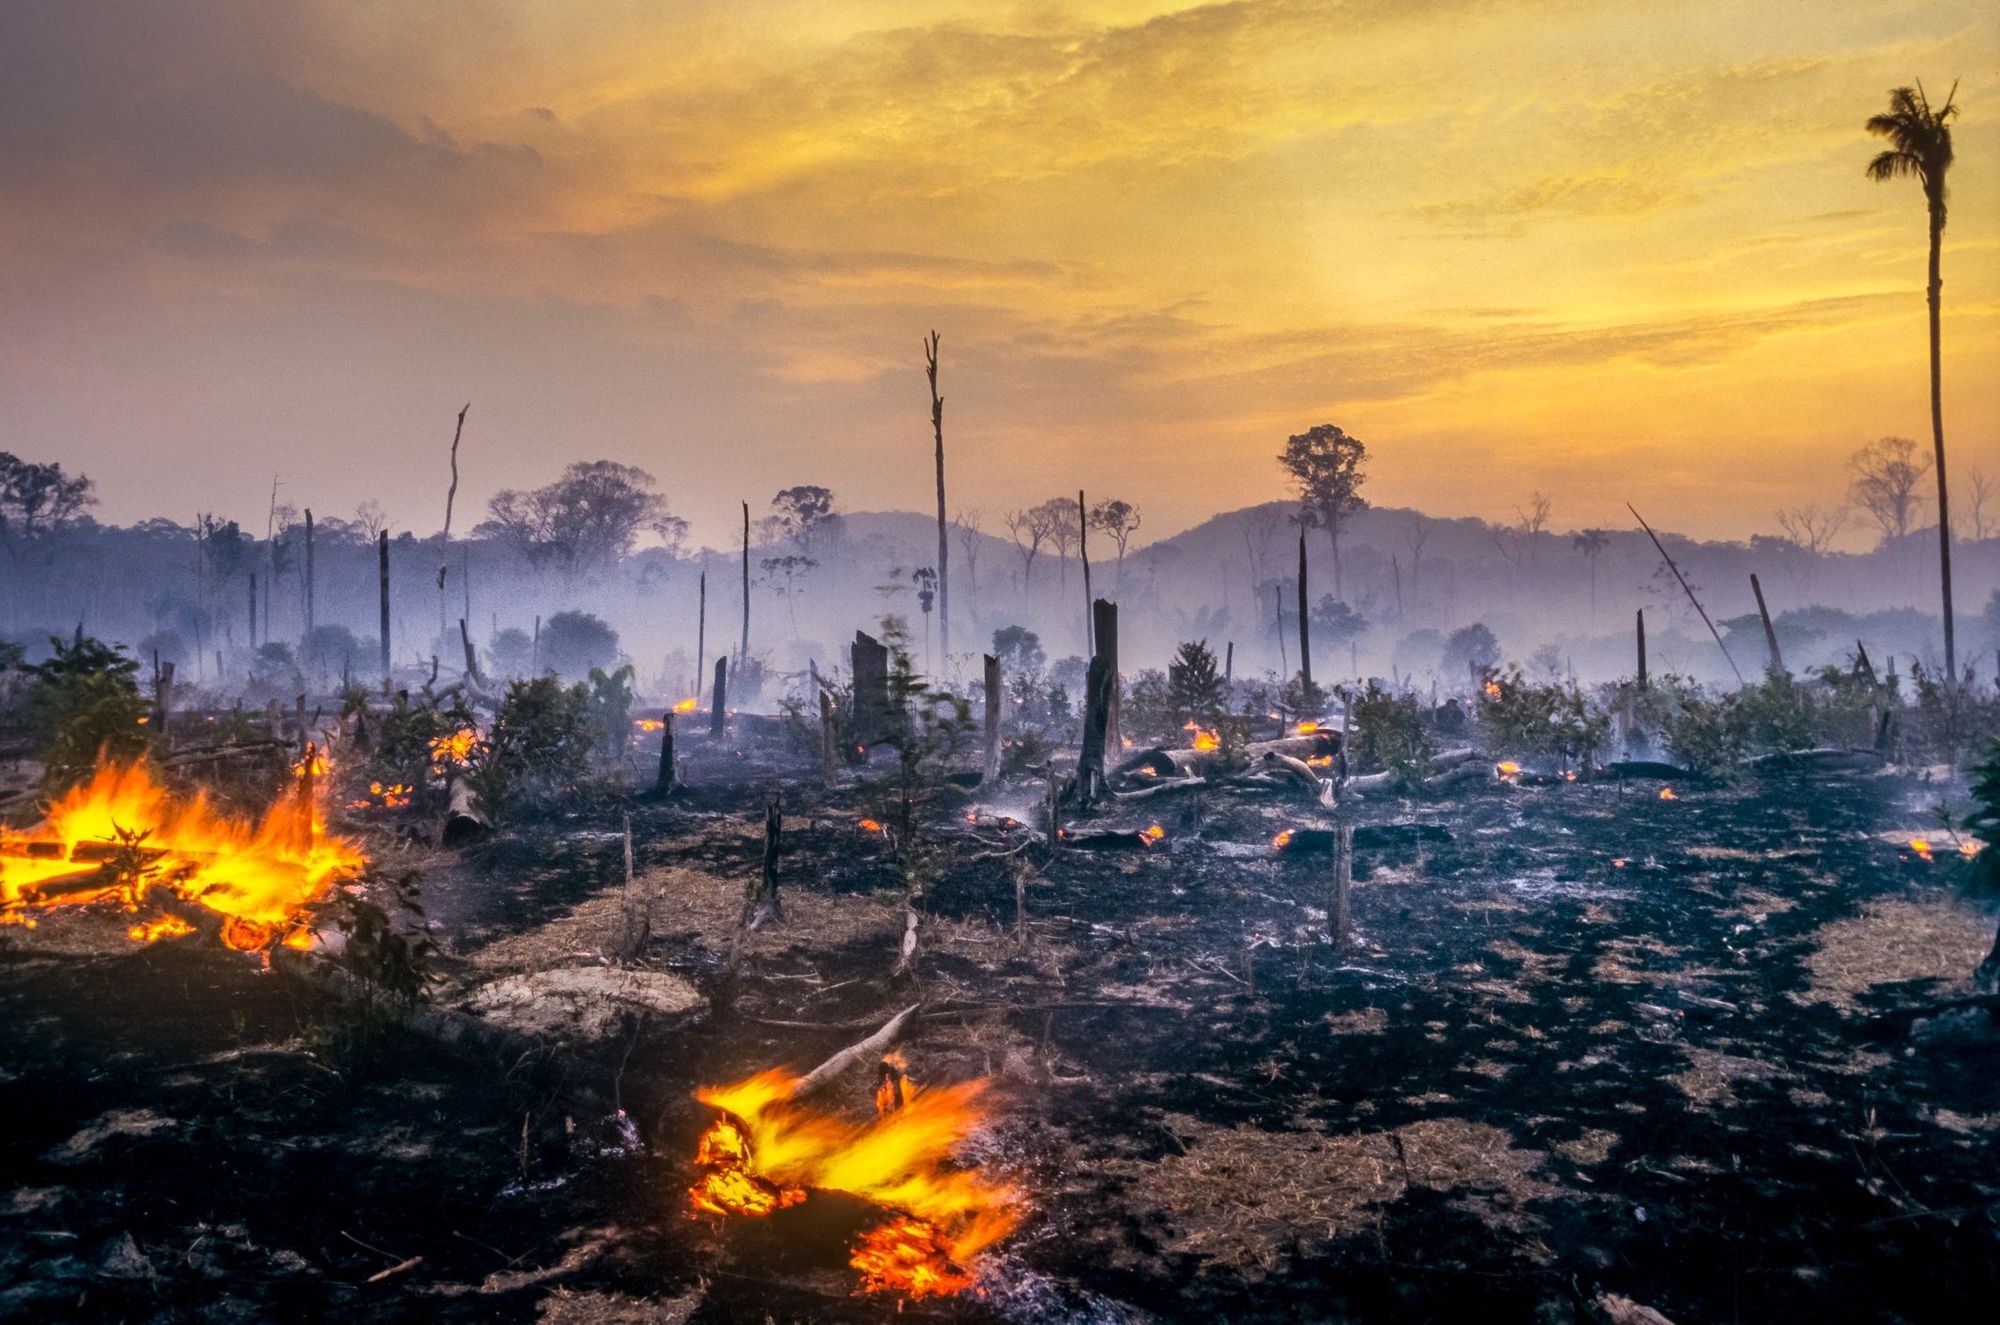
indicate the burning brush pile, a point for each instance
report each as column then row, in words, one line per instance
column 177, row 865
column 768, row 1150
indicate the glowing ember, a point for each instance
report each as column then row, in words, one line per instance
column 121, row 839
column 1493, row 690
column 1207, row 741
column 648, row 724
column 686, row 706
column 1153, row 833
column 869, row 826
column 1921, row 847
column 1507, row 768
column 393, row 796
column 765, row 1151
column 1308, row 728
column 1968, row 849
column 1282, row 839
column 1667, row 794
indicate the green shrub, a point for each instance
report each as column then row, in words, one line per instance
column 537, row 747
column 1388, row 734
column 1541, row 720
column 82, row 703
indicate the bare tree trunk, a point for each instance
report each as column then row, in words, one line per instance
column 743, row 652
column 770, row 909
column 700, row 631
column 1937, row 441
column 1777, row 663
column 1339, row 915
column 944, row 550
column 1083, row 556
column 1090, row 763
column 444, row 535
column 1104, row 617
column 382, row 565
column 311, row 619
column 471, row 654
column 664, row 783
column 1305, row 627
column 1639, row 621
column 718, row 710
column 828, row 767
column 990, row 776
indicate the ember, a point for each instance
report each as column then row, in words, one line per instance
column 869, row 826
column 1921, row 847
column 1667, row 794
column 686, row 706
column 453, row 750
column 122, row 839
column 765, row 1150
column 1207, row 741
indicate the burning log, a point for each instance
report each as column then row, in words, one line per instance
column 1124, row 839
column 830, row 1070
column 1205, row 759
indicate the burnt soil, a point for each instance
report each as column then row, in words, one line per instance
column 1584, row 1044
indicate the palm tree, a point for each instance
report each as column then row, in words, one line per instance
column 1592, row 542
column 1920, row 145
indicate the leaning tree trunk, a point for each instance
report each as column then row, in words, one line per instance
column 1937, row 441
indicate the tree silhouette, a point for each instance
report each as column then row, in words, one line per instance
column 1325, row 465
column 1592, row 542
column 1920, row 145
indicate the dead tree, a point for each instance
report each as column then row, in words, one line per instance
column 700, row 628
column 743, row 650
column 990, row 773
column 1090, row 784
column 718, row 712
column 1104, row 630
column 1083, row 558
column 868, row 660
column 828, row 766
column 944, row 549
column 163, row 703
column 471, row 654
column 1305, row 630
column 1688, row 589
column 382, row 566
column 310, row 621
column 1339, row 915
column 1639, row 624
column 663, row 785
column 253, row 609
column 444, row 535
column 1777, row 663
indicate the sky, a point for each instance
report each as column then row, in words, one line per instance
column 1605, row 250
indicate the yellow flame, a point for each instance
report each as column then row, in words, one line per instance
column 1207, row 741
column 1921, row 847
column 1667, row 794
column 686, row 706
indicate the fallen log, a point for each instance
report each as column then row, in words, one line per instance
column 1367, row 837
column 1650, row 770
column 1162, row 762
column 464, row 820
column 1161, row 789
column 1823, row 760
column 1109, row 840
column 826, row 1072
column 1465, row 773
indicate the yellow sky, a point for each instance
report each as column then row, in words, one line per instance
column 1607, row 250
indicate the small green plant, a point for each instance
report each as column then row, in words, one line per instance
column 608, row 707
column 1389, row 734
column 1541, row 720
column 384, row 958
column 1194, row 684
column 1983, row 875
column 537, row 747
column 83, row 704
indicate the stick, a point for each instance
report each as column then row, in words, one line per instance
column 1688, row 589
column 1339, row 916
column 944, row 548
column 718, row 712
column 1770, row 635
column 1305, row 631
column 382, row 560
column 826, row 1072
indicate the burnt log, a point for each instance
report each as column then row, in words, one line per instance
column 463, row 820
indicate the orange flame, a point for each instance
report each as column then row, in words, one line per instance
column 1667, row 794
column 1283, row 839
column 1207, row 741
column 1153, row 833
column 686, row 706
column 1968, row 849
column 1507, row 768
column 453, row 749
column 648, row 724
column 1921, row 847
column 259, row 877
column 765, row 1151
column 1493, row 690
column 869, row 826
column 1308, row 728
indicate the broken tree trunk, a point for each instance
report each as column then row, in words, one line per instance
column 1777, row 663
column 1083, row 559
column 163, row 705
column 828, row 764
column 743, row 650
column 310, row 620
column 868, row 660
column 827, row 1072
column 1104, row 625
column 664, row 783
column 1090, row 784
column 1339, row 914
column 1640, row 626
column 718, row 709
column 382, row 570
column 1305, row 629
column 700, row 630
column 944, row 545
column 471, row 654
column 990, row 772
column 463, row 820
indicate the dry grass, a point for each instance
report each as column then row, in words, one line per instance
column 1709, row 1076
column 1244, row 1197
column 1894, row 940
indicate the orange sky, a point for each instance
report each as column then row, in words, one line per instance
column 1607, row 250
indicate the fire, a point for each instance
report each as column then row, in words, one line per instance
column 1207, row 741
column 1308, row 728
column 1153, row 833
column 393, row 796
column 686, row 706
column 1282, row 840
column 1507, row 768
column 1667, row 794
column 121, row 838
column 1968, row 849
column 453, row 749
column 869, row 826
column 1493, row 690
column 1921, row 847
column 648, row 724
column 765, row 1151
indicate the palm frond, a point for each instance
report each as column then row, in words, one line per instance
column 1888, row 165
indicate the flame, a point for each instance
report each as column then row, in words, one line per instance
column 1667, row 794
column 648, row 724
column 1921, row 847
column 1493, row 690
column 686, row 706
column 1968, row 849
column 453, row 749
column 1283, row 839
column 1153, row 834
column 392, row 797
column 259, row 877
column 1308, row 728
column 1507, row 768
column 1207, row 741
column 764, row 1152
column 869, row 826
